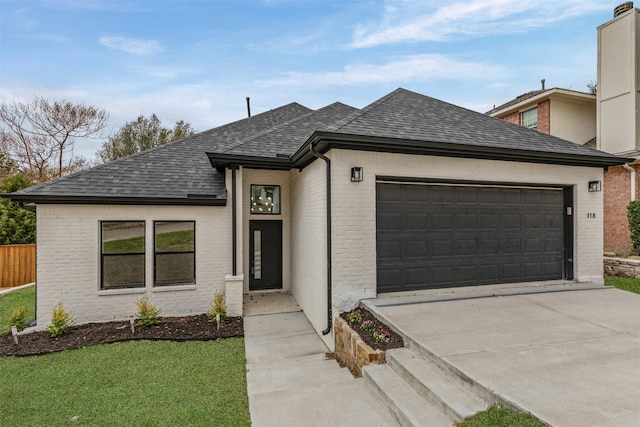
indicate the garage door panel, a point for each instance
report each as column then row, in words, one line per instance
column 445, row 235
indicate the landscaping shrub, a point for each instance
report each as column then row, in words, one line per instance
column 147, row 312
column 18, row 318
column 61, row 321
column 218, row 306
column 633, row 214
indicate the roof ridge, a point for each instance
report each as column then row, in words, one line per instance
column 280, row 126
column 359, row 113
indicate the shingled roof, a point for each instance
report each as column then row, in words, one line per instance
column 402, row 121
column 175, row 173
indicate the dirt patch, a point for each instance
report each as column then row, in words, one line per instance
column 168, row 328
column 367, row 335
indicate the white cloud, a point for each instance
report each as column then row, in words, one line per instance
column 422, row 67
column 412, row 21
column 132, row 46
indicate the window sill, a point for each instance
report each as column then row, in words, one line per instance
column 173, row 288
column 123, row 291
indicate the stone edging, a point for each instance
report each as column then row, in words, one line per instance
column 621, row 267
column 352, row 351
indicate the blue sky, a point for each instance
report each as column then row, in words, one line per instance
column 197, row 60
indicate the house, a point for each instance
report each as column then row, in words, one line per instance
column 567, row 114
column 608, row 121
column 332, row 205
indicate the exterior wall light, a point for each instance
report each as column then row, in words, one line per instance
column 595, row 186
column 356, row 174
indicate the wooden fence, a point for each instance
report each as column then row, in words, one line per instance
column 17, row 265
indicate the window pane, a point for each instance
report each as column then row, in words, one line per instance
column 122, row 237
column 265, row 199
column 530, row 118
column 172, row 269
column 175, row 236
column 123, row 245
column 174, row 252
column 122, row 271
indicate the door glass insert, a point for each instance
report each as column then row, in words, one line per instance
column 257, row 254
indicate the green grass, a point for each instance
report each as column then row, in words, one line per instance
column 13, row 300
column 172, row 241
column 624, row 283
column 501, row 417
column 137, row 383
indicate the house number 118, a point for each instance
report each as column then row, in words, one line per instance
column 591, row 215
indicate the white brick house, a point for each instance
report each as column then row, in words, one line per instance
column 332, row 205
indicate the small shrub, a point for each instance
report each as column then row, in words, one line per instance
column 367, row 325
column 147, row 312
column 382, row 334
column 633, row 214
column 18, row 318
column 355, row 316
column 61, row 321
column 218, row 306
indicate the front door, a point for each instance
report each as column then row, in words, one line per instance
column 265, row 255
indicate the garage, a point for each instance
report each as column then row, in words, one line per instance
column 442, row 234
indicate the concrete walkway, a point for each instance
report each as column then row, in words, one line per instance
column 291, row 382
column 572, row 358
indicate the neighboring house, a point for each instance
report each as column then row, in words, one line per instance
column 333, row 205
column 609, row 121
column 564, row 113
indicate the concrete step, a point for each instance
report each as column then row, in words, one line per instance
column 405, row 404
column 440, row 387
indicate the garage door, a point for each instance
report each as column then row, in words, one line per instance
column 445, row 235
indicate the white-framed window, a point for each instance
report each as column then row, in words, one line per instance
column 265, row 199
column 175, row 253
column 529, row 118
column 122, row 251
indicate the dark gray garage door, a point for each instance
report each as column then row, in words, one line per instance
column 445, row 235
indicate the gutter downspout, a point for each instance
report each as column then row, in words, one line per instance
column 234, row 234
column 633, row 180
column 329, row 283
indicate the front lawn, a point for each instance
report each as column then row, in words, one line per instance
column 624, row 283
column 13, row 300
column 141, row 383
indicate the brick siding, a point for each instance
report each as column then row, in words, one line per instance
column 544, row 116
column 617, row 195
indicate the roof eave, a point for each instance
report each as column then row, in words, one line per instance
column 324, row 141
column 221, row 161
column 534, row 100
column 190, row 200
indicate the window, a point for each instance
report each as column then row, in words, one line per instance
column 122, row 254
column 265, row 199
column 174, row 262
column 529, row 118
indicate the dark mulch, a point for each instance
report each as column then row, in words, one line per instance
column 168, row 328
column 395, row 340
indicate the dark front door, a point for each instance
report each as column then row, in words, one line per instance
column 265, row 255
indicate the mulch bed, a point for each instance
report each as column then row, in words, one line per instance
column 395, row 340
column 188, row 328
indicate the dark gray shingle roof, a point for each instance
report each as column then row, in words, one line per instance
column 411, row 116
column 178, row 170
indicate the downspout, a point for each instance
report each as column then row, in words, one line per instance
column 234, row 234
column 329, row 285
column 633, row 180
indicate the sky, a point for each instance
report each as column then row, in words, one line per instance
column 198, row 60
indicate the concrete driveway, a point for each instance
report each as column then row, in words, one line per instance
column 571, row 357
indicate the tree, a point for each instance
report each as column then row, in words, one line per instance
column 39, row 135
column 140, row 135
column 593, row 87
column 17, row 225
